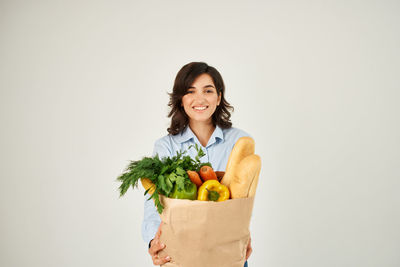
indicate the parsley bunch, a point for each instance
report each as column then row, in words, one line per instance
column 164, row 173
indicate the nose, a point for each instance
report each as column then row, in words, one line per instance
column 199, row 96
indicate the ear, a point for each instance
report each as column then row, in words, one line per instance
column 219, row 98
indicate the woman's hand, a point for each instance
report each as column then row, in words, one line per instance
column 249, row 249
column 155, row 247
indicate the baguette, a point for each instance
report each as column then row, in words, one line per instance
column 243, row 147
column 254, row 183
column 244, row 182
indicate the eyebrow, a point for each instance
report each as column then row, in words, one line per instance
column 207, row 86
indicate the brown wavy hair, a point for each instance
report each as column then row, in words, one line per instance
column 184, row 79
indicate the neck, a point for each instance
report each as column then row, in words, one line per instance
column 203, row 131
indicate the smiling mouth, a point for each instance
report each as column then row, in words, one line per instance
column 200, row 108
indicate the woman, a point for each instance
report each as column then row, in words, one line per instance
column 199, row 115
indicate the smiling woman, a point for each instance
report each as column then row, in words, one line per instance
column 196, row 78
column 200, row 115
column 200, row 101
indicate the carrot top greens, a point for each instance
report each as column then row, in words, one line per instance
column 164, row 173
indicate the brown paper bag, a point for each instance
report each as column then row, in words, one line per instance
column 205, row 233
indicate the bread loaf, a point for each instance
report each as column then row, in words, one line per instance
column 243, row 147
column 246, row 178
column 254, row 183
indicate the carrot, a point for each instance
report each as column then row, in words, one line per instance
column 207, row 173
column 195, row 178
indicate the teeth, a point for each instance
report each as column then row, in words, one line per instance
column 200, row 108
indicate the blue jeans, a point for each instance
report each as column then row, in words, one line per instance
column 245, row 264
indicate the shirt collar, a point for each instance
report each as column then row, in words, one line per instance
column 217, row 134
column 187, row 134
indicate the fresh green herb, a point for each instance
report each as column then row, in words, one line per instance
column 164, row 173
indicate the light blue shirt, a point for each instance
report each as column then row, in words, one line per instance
column 217, row 153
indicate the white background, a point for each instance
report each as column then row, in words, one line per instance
column 84, row 90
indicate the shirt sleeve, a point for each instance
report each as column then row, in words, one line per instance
column 151, row 219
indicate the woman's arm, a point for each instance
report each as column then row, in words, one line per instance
column 151, row 225
column 151, row 219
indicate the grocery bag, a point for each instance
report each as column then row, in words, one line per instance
column 205, row 233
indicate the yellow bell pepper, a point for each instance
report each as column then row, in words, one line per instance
column 213, row 190
column 148, row 184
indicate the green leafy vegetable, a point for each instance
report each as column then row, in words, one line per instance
column 164, row 173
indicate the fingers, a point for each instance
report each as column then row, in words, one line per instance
column 161, row 261
column 249, row 249
column 248, row 253
column 156, row 246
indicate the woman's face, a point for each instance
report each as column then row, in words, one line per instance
column 201, row 99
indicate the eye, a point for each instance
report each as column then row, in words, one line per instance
column 209, row 91
column 189, row 91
